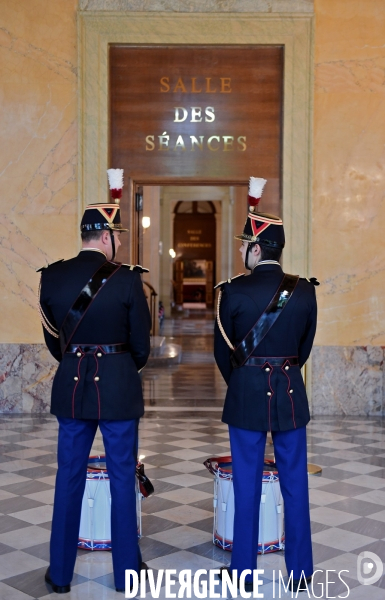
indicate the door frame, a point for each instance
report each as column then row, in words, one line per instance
column 97, row 30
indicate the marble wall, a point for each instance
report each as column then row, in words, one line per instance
column 38, row 153
column 38, row 186
column 348, row 380
column 348, row 253
column 26, row 373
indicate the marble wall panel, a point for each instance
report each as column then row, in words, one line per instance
column 38, row 153
column 348, row 380
column 38, row 370
column 191, row 6
column 10, row 378
column 348, row 252
column 26, row 374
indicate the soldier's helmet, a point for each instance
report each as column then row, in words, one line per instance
column 261, row 228
column 98, row 217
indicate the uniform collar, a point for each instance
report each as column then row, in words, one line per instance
column 91, row 255
column 267, row 265
column 86, row 250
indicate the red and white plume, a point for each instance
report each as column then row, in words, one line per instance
column 115, row 180
column 256, row 185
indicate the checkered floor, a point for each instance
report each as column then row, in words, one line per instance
column 347, row 503
column 347, row 500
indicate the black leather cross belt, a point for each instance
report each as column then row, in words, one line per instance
column 91, row 349
column 265, row 322
column 259, row 361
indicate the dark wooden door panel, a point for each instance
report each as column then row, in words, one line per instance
column 153, row 88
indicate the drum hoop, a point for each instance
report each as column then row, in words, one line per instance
column 212, row 464
column 91, row 470
column 218, row 537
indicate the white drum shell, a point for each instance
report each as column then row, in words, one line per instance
column 271, row 523
column 95, row 519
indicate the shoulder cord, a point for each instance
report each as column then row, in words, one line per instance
column 220, row 324
column 44, row 321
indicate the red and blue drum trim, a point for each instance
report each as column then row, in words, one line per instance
column 266, row 548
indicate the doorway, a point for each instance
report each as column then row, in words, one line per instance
column 194, row 251
column 181, row 230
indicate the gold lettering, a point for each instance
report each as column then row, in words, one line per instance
column 196, row 114
column 194, row 238
column 227, row 143
column 150, row 142
column 178, row 118
column 242, row 143
column 193, row 89
column 209, row 112
column 180, row 86
column 165, row 83
column 180, row 143
column 209, row 142
column 208, row 89
column 163, row 141
column 194, row 142
column 225, row 85
column 196, row 231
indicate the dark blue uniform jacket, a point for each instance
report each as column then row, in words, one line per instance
column 118, row 314
column 247, row 403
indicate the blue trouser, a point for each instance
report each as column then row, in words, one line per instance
column 247, row 451
column 74, row 445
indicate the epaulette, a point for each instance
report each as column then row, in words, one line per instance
column 49, row 265
column 137, row 268
column 312, row 280
column 229, row 280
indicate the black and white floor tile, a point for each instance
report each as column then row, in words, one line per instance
column 347, row 500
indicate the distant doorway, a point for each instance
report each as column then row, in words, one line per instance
column 195, row 248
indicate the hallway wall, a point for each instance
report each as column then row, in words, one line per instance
column 39, row 203
column 348, row 253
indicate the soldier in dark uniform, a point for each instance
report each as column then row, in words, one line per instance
column 101, row 342
column 266, row 391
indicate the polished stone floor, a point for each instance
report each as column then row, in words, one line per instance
column 196, row 382
column 181, row 429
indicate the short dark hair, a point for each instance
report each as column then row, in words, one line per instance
column 270, row 253
column 88, row 236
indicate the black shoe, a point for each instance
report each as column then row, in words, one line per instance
column 248, row 584
column 298, row 585
column 58, row 589
column 143, row 567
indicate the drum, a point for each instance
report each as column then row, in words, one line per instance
column 95, row 519
column 271, row 536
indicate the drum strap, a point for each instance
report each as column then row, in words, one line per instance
column 145, row 485
column 265, row 321
column 84, row 301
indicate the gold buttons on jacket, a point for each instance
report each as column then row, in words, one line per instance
column 291, row 391
column 96, row 378
column 269, row 393
column 78, row 354
column 99, row 355
column 76, row 378
column 267, row 369
column 287, row 368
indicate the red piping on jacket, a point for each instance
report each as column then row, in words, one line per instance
column 96, row 383
column 76, row 385
column 287, row 391
column 272, row 392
